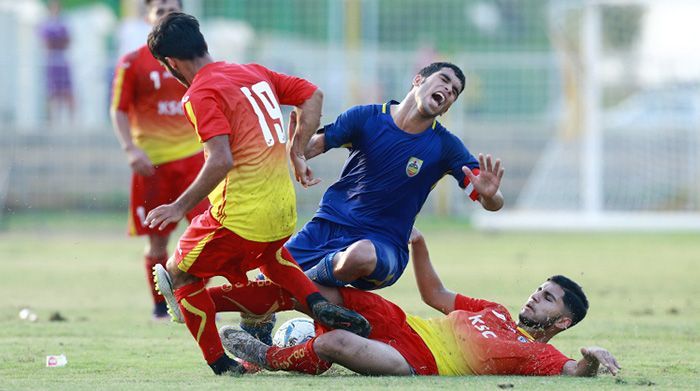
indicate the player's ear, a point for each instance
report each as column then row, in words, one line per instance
column 417, row 80
column 171, row 62
column 563, row 323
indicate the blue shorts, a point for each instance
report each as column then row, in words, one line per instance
column 321, row 238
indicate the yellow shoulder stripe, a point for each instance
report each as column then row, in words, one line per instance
column 118, row 83
column 190, row 114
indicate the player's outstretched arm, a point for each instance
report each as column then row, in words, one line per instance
column 593, row 357
column 303, row 122
column 432, row 291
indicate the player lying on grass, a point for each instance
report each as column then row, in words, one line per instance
column 474, row 337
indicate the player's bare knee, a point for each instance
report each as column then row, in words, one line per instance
column 171, row 266
column 361, row 257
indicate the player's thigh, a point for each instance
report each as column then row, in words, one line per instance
column 311, row 243
column 207, row 249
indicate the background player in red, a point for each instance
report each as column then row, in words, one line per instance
column 475, row 337
column 235, row 110
column 163, row 151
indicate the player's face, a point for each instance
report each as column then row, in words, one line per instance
column 159, row 8
column 437, row 92
column 544, row 307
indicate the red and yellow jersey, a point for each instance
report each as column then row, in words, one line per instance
column 151, row 96
column 256, row 200
column 480, row 338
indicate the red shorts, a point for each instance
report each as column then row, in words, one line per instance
column 207, row 249
column 170, row 180
column 389, row 326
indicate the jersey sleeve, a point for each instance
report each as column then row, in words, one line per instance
column 466, row 303
column 541, row 359
column 291, row 90
column 204, row 113
column 123, row 83
column 346, row 128
column 457, row 155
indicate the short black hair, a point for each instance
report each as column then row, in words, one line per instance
column 148, row 2
column 574, row 299
column 177, row 35
column 436, row 66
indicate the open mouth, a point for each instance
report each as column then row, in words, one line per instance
column 438, row 97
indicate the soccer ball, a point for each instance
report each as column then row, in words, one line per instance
column 294, row 332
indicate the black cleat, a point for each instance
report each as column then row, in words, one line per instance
column 244, row 346
column 225, row 365
column 337, row 317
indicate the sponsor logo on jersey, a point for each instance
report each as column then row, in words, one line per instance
column 170, row 107
column 522, row 339
column 413, row 166
column 185, row 98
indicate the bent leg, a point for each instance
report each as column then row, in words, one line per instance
column 357, row 261
column 361, row 355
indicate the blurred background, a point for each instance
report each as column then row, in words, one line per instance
column 594, row 106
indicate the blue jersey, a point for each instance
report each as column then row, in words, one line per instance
column 389, row 173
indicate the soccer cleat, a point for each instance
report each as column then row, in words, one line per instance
column 164, row 286
column 336, row 317
column 244, row 346
column 160, row 312
column 259, row 327
column 225, row 365
column 248, row 366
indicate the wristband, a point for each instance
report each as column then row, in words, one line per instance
column 469, row 187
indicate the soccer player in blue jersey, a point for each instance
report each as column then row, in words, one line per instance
column 398, row 152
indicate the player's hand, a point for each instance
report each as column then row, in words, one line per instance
column 602, row 356
column 302, row 171
column 139, row 162
column 489, row 179
column 163, row 215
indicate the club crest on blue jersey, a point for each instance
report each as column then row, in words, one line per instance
column 413, row 166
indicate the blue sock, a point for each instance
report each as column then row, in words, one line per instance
column 323, row 272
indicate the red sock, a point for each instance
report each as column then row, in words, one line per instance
column 198, row 310
column 300, row 358
column 255, row 297
column 281, row 268
column 149, row 262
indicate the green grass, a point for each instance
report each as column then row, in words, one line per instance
column 643, row 290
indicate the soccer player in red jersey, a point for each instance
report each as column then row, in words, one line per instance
column 163, row 151
column 475, row 337
column 235, row 111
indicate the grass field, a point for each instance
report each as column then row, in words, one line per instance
column 644, row 291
